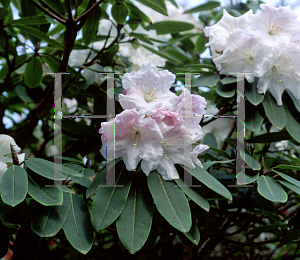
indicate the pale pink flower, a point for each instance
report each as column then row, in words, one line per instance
column 135, row 137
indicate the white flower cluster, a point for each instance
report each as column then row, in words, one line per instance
column 152, row 128
column 265, row 44
column 5, row 142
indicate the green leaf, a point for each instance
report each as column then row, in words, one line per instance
column 30, row 20
column 207, row 165
column 229, row 80
column 286, row 166
column 4, row 70
column 169, row 26
column 91, row 26
column 3, row 12
column 6, row 3
column 210, row 139
column 156, row 5
column 109, row 201
column 47, row 196
column 161, row 54
column 243, row 178
column 288, row 178
column 206, row 80
column 135, row 221
column 253, row 117
column 200, row 43
column 295, row 101
column 14, row 185
column 119, row 12
column 44, row 168
column 253, row 164
column 194, row 196
column 170, row 201
column 193, row 235
column 40, row 35
column 77, row 227
column 203, row 7
column 208, row 180
column 47, row 221
column 291, row 186
column 33, row 72
column 270, row 137
column 270, row 189
column 136, row 11
column 275, row 113
column 292, row 117
column 142, row 37
column 251, row 93
column 226, row 91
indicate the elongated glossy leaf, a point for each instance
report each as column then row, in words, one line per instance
column 40, row 35
column 14, row 185
column 253, row 164
column 119, row 12
column 44, row 168
column 169, row 26
column 135, row 221
column 251, row 92
column 204, row 177
column 161, row 54
column 288, row 178
column 90, row 27
column 47, row 196
column 193, row 235
column 243, row 178
column 142, row 37
column 77, row 227
column 229, row 80
column 275, row 113
column 286, row 166
column 33, row 72
column 40, row 19
column 225, row 91
column 291, row 186
column 157, row 5
column 203, row 7
column 109, row 201
column 295, row 101
column 193, row 195
column 170, row 201
column 292, row 117
column 100, row 179
column 47, row 221
column 206, row 80
column 207, row 165
column 137, row 12
column 270, row 137
column 253, row 118
column 3, row 12
column 270, row 189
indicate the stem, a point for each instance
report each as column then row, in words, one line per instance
column 84, row 14
column 49, row 13
column 51, row 9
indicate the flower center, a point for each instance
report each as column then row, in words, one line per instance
column 149, row 97
column 275, row 72
column 165, row 148
column 136, row 135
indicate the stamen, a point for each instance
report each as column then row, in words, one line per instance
column 274, row 71
column 167, row 157
column 231, row 24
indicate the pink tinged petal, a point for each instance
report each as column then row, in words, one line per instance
column 168, row 117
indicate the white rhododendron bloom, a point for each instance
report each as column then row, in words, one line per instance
column 147, row 90
column 264, row 44
column 152, row 129
column 5, row 142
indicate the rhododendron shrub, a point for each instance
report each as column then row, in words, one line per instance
column 119, row 123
